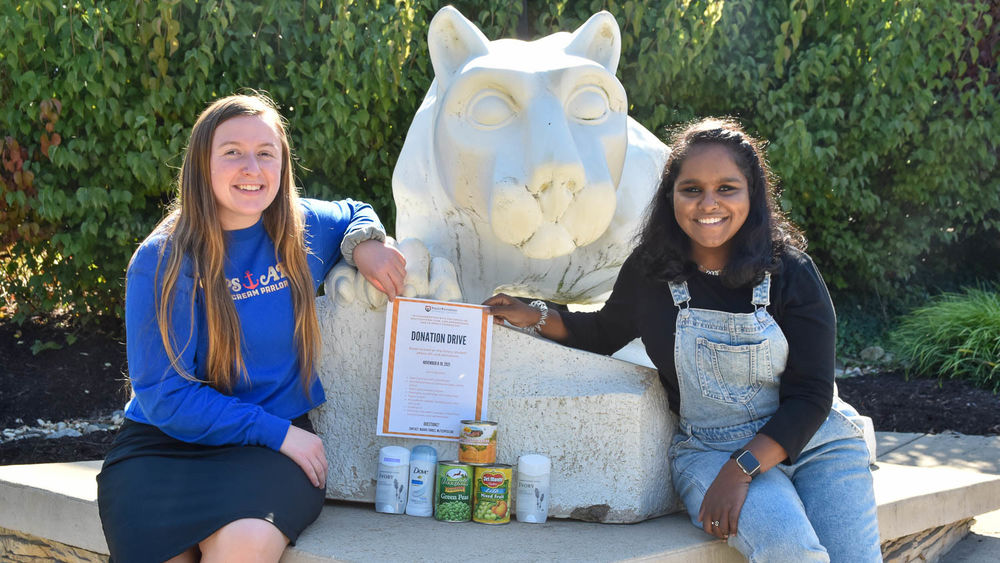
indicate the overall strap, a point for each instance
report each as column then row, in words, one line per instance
column 762, row 292
column 679, row 292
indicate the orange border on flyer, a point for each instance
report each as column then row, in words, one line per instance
column 389, row 368
column 482, row 365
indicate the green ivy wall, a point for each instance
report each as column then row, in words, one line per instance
column 881, row 116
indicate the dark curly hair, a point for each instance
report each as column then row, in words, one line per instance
column 664, row 250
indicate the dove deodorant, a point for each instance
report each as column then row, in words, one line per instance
column 393, row 475
column 423, row 466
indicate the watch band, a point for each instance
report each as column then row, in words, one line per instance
column 746, row 462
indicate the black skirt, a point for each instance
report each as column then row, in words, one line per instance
column 159, row 496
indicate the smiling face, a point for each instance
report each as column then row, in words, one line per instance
column 246, row 169
column 711, row 202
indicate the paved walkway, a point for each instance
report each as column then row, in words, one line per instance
column 974, row 453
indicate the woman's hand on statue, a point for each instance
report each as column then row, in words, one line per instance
column 382, row 265
column 306, row 450
column 720, row 509
column 503, row 307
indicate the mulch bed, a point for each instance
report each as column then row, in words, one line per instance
column 87, row 379
column 79, row 380
column 923, row 405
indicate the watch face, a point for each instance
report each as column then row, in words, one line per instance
column 748, row 463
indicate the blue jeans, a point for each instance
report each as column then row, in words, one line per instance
column 822, row 508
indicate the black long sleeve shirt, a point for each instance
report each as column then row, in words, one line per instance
column 800, row 303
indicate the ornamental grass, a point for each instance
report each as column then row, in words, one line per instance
column 956, row 336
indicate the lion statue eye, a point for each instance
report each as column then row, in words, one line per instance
column 491, row 109
column 588, row 104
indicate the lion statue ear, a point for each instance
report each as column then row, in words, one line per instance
column 598, row 39
column 453, row 41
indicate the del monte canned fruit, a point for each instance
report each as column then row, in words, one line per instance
column 453, row 501
column 477, row 443
column 491, row 494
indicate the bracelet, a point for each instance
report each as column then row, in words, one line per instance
column 544, row 310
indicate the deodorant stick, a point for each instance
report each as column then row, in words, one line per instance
column 533, row 488
column 393, row 474
column 423, row 465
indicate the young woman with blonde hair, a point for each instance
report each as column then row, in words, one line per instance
column 217, row 457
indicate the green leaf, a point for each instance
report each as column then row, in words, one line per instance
column 39, row 346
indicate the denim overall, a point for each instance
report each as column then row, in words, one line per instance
column 729, row 368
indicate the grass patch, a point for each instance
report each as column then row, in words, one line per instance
column 956, row 336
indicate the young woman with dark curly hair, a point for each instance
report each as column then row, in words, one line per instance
column 739, row 323
column 217, row 459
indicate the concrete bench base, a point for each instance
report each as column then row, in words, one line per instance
column 923, row 511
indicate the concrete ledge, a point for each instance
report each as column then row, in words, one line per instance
column 58, row 502
column 914, row 499
column 355, row 532
column 55, row 501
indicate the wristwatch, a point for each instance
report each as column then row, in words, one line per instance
column 746, row 462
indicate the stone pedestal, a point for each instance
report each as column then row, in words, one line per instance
column 603, row 422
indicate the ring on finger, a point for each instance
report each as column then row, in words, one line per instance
column 716, row 523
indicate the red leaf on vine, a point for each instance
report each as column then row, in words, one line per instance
column 11, row 155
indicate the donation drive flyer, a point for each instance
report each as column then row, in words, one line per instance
column 435, row 368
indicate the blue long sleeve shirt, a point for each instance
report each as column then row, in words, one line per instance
column 260, row 407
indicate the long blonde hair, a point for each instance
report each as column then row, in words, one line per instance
column 194, row 233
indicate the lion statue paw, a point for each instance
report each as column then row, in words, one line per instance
column 426, row 277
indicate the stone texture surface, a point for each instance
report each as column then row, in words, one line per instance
column 16, row 547
column 929, row 545
column 603, row 422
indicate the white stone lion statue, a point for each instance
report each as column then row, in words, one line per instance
column 522, row 167
column 521, row 171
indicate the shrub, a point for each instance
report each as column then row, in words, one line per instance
column 956, row 336
column 879, row 114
